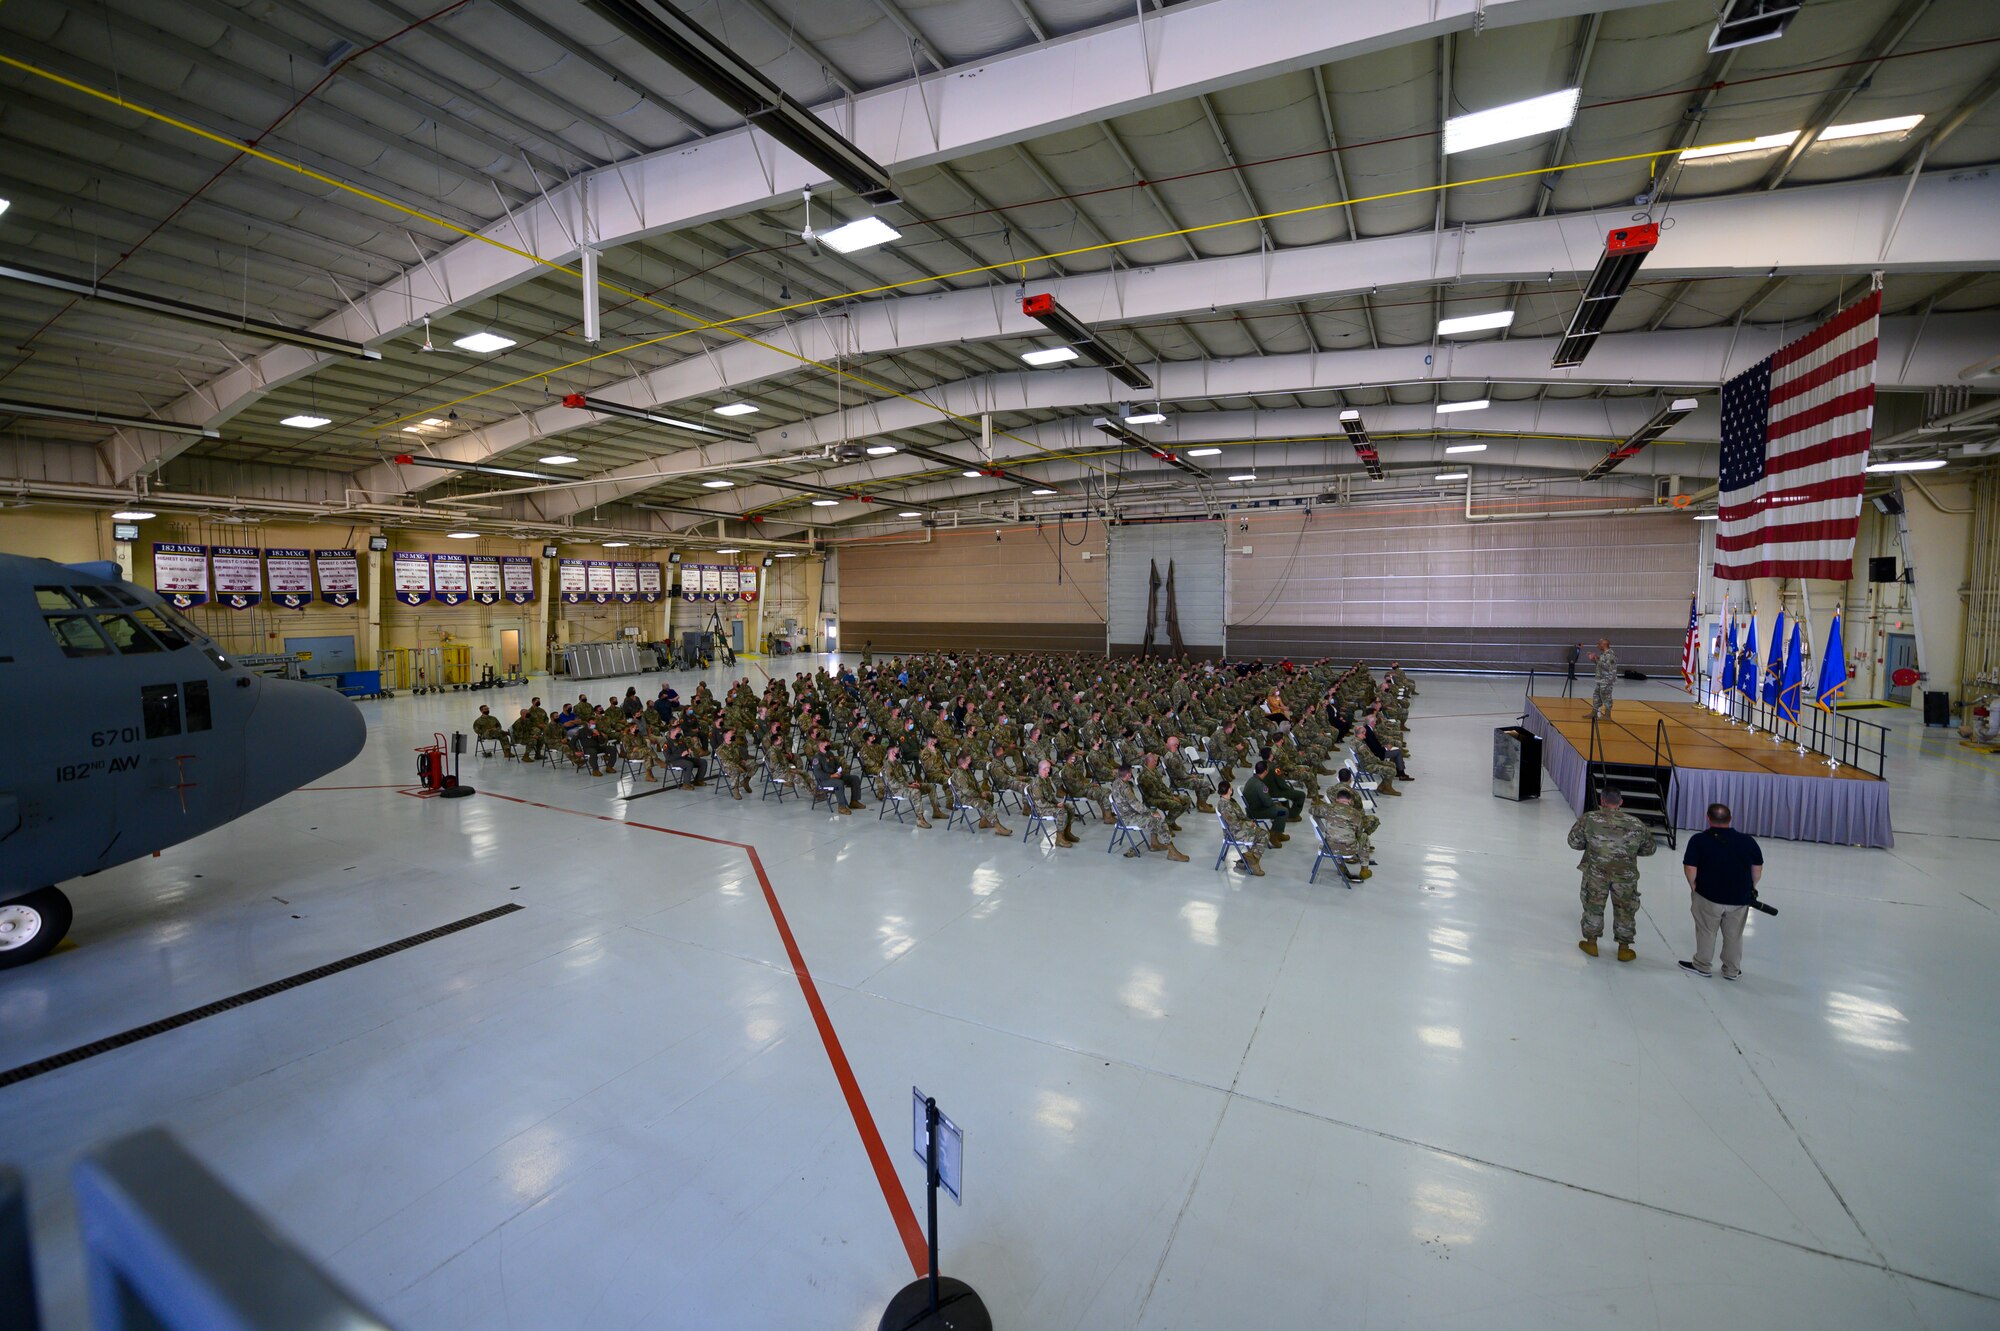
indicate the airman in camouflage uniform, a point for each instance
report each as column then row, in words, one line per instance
column 1045, row 789
column 969, row 789
column 1607, row 675
column 1181, row 771
column 527, row 736
column 1132, row 812
column 734, row 755
column 1612, row 842
column 1157, row 793
column 1242, row 830
column 487, row 726
column 1343, row 827
column 896, row 780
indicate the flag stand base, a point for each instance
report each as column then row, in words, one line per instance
column 959, row 1308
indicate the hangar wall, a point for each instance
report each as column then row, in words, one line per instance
column 1433, row 589
column 1030, row 590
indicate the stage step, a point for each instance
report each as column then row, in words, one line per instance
column 1644, row 788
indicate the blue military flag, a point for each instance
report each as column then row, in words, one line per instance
column 1729, row 661
column 1832, row 667
column 1794, row 679
column 1746, row 668
column 1776, row 665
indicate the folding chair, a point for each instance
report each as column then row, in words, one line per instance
column 1125, row 834
column 824, row 790
column 485, row 747
column 895, row 801
column 1043, row 826
column 1342, row 862
column 962, row 813
column 775, row 783
column 1229, row 843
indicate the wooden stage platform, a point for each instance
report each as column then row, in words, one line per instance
column 1770, row 788
column 1701, row 738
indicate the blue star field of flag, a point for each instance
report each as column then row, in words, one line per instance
column 1746, row 410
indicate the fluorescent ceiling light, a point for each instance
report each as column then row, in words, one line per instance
column 1041, row 492
column 483, row 342
column 133, row 515
column 1049, row 355
column 1684, row 404
column 463, row 535
column 1474, row 323
column 1708, row 517
column 1203, row 452
column 558, row 459
column 974, row 475
column 1863, row 129
column 1763, row 143
column 1516, row 120
column 616, row 545
column 1452, row 475
column 735, row 409
column 305, row 422
column 1477, row 404
column 1465, row 448
column 727, row 550
column 4, row 205
column 413, row 429
column 1350, row 415
column 825, row 503
column 909, row 513
column 433, row 420
column 718, row 485
column 859, row 234
column 1244, row 476
column 1928, row 464
column 1146, row 418
column 881, row 450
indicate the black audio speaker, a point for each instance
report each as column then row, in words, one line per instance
column 1882, row 568
column 1890, row 504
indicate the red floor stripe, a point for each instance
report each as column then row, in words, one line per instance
column 900, row 1209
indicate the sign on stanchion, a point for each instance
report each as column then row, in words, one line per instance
column 936, row 1303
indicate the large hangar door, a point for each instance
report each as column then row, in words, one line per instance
column 1194, row 552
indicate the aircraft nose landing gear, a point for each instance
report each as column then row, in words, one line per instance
column 32, row 925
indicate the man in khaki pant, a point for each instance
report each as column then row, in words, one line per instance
column 1723, row 867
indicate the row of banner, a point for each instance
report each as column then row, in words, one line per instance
column 239, row 577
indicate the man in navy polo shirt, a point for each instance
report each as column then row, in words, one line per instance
column 1723, row 867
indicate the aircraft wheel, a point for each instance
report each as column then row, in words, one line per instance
column 32, row 925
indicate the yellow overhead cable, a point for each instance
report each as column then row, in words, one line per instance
column 723, row 325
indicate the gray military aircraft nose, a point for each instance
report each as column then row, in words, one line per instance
column 297, row 733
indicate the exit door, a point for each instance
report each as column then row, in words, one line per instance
column 1900, row 654
column 735, row 635
column 510, row 651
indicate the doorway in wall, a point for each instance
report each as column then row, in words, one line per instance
column 735, row 635
column 510, row 650
column 1899, row 653
column 832, row 629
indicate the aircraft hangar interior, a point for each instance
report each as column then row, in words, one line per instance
column 891, row 664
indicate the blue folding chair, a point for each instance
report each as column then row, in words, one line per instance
column 1345, row 864
column 1229, row 843
column 1040, row 825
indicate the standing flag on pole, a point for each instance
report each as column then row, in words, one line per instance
column 1691, row 650
column 1729, row 661
column 1788, row 687
column 1795, row 432
column 1832, row 667
column 1774, row 667
column 1746, row 667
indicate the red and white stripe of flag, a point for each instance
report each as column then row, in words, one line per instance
column 1799, row 521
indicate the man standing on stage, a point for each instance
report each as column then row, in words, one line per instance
column 1607, row 675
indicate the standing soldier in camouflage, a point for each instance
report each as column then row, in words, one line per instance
column 1612, row 841
column 1607, row 675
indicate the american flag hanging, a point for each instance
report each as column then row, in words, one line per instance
column 1795, row 433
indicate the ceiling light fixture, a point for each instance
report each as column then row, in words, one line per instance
column 174, row 309
column 1146, row 418
column 1747, row 22
column 727, row 550
column 1244, row 476
column 1763, row 143
column 305, row 422
column 1475, row 323
column 824, row 503
column 1041, row 492
column 972, row 475
column 1477, row 404
column 860, row 234
column 735, row 409
column 1350, row 415
column 881, row 450
column 1453, row 476
column 909, row 513
column 133, row 515
column 1516, row 120
column 1928, row 464
column 432, row 421
column 1465, row 448
column 718, row 485
column 462, row 535
column 615, row 545
column 482, row 342
column 4, row 205
column 1049, row 355
column 557, row 460
column 1868, row 129
column 1203, row 452
column 1708, row 517
column 786, row 554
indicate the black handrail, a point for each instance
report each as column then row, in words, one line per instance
column 1593, row 767
column 1863, row 745
column 1665, row 785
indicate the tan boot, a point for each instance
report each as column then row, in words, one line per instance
column 1174, row 854
column 1589, row 946
column 1065, row 840
column 1204, row 807
column 985, row 823
column 1625, row 952
column 1000, row 829
column 921, row 820
column 843, row 810
column 1110, row 819
column 1388, row 787
column 1255, row 864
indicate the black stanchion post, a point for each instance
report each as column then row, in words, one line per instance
column 931, row 1172
column 936, row 1302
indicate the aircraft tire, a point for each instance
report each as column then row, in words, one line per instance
column 44, row 915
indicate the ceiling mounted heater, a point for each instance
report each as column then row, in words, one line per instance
column 1364, row 448
column 1665, row 419
column 1624, row 250
column 1148, row 447
column 1044, row 311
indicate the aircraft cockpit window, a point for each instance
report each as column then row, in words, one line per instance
column 78, row 636
column 101, row 597
column 195, row 694
column 126, row 635
column 53, row 598
column 170, row 637
column 161, row 705
column 195, row 636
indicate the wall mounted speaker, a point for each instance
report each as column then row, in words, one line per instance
column 1890, row 504
column 1882, row 568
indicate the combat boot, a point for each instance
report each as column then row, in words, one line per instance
column 1251, row 865
column 1625, row 952
column 985, row 823
column 1589, row 946
column 1204, row 807
column 921, row 820
column 1001, row 829
column 1388, row 787
column 1174, row 854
